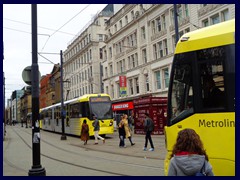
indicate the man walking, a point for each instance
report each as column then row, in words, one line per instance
column 148, row 128
column 96, row 130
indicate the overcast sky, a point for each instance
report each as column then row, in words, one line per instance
column 18, row 40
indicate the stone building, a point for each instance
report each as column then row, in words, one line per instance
column 140, row 44
column 82, row 58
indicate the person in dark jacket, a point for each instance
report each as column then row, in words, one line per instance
column 122, row 134
column 188, row 156
column 148, row 128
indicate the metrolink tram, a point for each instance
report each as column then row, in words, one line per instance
column 202, row 93
column 76, row 110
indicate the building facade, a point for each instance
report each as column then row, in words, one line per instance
column 82, row 58
column 140, row 44
column 15, row 108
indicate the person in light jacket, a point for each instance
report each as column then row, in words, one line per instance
column 188, row 156
column 96, row 130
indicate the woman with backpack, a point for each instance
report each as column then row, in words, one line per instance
column 188, row 157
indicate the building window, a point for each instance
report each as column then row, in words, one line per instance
column 131, row 86
column 205, row 23
column 186, row 10
column 143, row 32
column 126, row 19
column 106, row 72
column 137, row 85
column 153, row 27
column 154, row 51
column 180, row 12
column 100, row 37
column 158, row 79
column 132, row 15
column 133, row 61
column 111, row 70
column 215, row 19
column 160, row 47
column 115, row 27
column 147, row 82
column 144, row 55
column 163, row 22
column 225, row 15
column 112, row 87
column 159, row 27
column 165, row 47
column 120, row 24
column 110, row 52
column 166, row 78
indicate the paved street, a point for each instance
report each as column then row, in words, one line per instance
column 71, row 158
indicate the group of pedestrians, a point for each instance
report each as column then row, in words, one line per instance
column 124, row 131
column 85, row 131
column 188, row 157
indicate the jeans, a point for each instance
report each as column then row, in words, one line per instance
column 148, row 137
column 122, row 143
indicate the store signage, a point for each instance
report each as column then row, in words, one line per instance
column 122, row 106
column 123, row 85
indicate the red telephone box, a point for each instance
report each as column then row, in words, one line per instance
column 156, row 107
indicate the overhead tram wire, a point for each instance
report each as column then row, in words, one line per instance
column 38, row 27
column 65, row 24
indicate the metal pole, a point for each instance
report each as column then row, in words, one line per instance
column 176, row 24
column 4, row 123
column 37, row 169
column 101, row 74
column 63, row 137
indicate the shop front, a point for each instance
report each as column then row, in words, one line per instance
column 156, row 107
column 121, row 108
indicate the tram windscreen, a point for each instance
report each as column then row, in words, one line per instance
column 101, row 107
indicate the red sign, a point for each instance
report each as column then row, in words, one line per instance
column 122, row 81
column 122, row 106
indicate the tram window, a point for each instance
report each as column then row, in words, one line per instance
column 182, row 91
column 212, row 80
column 75, row 109
column 85, row 109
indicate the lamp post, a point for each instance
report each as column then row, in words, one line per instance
column 63, row 114
column 176, row 23
column 37, row 169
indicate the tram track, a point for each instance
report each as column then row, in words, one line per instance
column 88, row 156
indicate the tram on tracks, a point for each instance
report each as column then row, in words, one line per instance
column 77, row 110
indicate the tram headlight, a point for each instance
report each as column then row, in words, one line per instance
column 111, row 123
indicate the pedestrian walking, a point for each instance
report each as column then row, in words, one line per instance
column 148, row 128
column 122, row 134
column 188, row 157
column 131, row 120
column 85, row 132
column 127, row 129
column 96, row 130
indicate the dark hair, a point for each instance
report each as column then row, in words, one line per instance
column 146, row 114
column 84, row 121
column 188, row 140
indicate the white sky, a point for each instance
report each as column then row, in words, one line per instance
column 18, row 40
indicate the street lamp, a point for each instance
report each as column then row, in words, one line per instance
column 63, row 114
column 37, row 169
